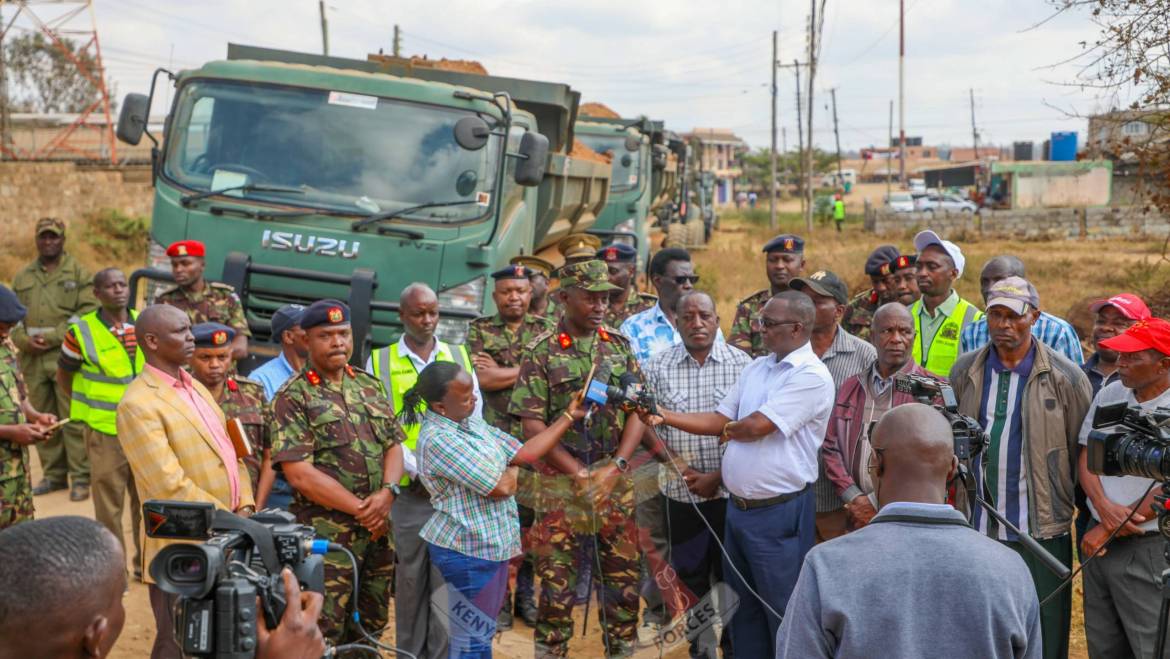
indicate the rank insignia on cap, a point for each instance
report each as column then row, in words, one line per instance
column 219, row 338
column 884, row 270
column 611, row 254
column 565, row 340
column 788, row 244
column 902, row 262
column 335, row 315
column 181, row 250
column 518, row 271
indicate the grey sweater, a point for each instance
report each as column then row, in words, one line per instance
column 919, row 588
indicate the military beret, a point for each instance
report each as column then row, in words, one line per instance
column 212, row 335
column 11, row 310
column 879, row 259
column 512, row 272
column 288, row 316
column 50, row 224
column 786, row 244
column 186, row 248
column 591, row 275
column 535, row 265
column 325, row 312
column 617, row 253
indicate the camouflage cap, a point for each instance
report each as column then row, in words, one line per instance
column 592, row 276
column 50, row 224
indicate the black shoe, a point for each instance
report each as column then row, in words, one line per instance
column 80, row 492
column 46, row 486
column 527, row 611
column 504, row 621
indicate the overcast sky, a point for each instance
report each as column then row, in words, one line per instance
column 689, row 62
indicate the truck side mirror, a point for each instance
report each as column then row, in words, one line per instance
column 633, row 143
column 132, row 118
column 533, row 159
column 472, row 133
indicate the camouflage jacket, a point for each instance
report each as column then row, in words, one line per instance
column 344, row 430
column 218, row 303
column 859, row 314
column 747, row 333
column 490, row 335
column 243, row 399
column 553, row 370
column 635, row 302
column 555, row 308
column 13, row 456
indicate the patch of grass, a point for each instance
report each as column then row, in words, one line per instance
column 105, row 238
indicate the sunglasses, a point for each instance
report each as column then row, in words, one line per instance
column 683, row 279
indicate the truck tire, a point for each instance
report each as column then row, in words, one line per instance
column 696, row 233
column 676, row 235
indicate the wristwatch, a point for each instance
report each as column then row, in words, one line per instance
column 621, row 463
column 394, row 489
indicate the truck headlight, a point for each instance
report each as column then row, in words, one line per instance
column 464, row 297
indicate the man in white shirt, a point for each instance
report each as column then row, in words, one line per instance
column 773, row 420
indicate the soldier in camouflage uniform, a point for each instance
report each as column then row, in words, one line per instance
column 16, row 431
column 336, row 438
column 785, row 261
column 539, row 273
column 239, row 398
column 204, row 301
column 882, row 267
column 585, row 486
column 622, row 260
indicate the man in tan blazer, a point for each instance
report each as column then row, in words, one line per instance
column 175, row 439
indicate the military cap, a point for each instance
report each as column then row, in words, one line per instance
column 512, row 272
column 879, row 259
column 579, row 246
column 325, row 312
column 786, row 243
column 823, row 282
column 590, row 275
column 212, row 335
column 11, row 310
column 50, row 224
column 286, row 317
column 617, row 253
column 535, row 265
column 186, row 248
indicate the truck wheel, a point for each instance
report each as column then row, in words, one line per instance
column 696, row 233
column 676, row 235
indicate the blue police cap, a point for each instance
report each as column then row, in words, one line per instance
column 286, row 317
column 11, row 310
column 325, row 312
column 213, row 335
column 515, row 271
column 786, row 243
column 617, row 253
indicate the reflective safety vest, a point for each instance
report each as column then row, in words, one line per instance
column 106, row 371
column 940, row 355
column 398, row 375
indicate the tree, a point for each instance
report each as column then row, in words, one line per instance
column 45, row 79
column 757, row 165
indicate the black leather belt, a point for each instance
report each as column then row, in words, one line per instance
column 749, row 504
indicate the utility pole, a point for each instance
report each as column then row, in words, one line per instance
column 324, row 28
column 801, row 182
column 812, row 73
column 891, row 136
column 5, row 126
column 772, row 188
column 901, row 92
column 837, row 137
column 974, row 132
column 397, row 41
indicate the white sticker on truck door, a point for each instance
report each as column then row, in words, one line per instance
column 353, row 100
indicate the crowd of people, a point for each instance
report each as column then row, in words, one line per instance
column 781, row 478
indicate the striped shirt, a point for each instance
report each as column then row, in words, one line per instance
column 680, row 383
column 1056, row 333
column 846, row 357
column 71, row 358
column 459, row 463
column 1000, row 475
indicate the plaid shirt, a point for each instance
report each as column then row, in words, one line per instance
column 459, row 465
column 682, row 385
column 1056, row 333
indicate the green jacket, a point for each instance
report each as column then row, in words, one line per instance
column 54, row 300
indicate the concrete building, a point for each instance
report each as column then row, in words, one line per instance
column 718, row 150
column 1112, row 132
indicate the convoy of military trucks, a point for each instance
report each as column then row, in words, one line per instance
column 309, row 176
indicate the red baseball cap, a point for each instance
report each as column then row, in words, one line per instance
column 1130, row 306
column 186, row 248
column 1145, row 334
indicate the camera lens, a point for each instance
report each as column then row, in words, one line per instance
column 187, row 569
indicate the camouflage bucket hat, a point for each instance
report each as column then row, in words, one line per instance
column 592, row 276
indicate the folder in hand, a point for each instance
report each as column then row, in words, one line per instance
column 235, row 430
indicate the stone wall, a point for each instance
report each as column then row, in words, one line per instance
column 29, row 190
column 1027, row 224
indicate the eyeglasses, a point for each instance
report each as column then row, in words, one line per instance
column 877, row 451
column 768, row 323
column 683, row 279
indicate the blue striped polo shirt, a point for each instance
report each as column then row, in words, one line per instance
column 1000, row 475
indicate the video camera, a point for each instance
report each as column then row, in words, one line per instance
column 968, row 435
column 219, row 581
column 1140, row 447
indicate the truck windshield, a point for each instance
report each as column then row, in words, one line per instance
column 346, row 152
column 624, row 177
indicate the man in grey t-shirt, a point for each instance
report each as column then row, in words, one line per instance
column 917, row 581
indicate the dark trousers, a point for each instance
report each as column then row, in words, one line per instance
column 767, row 546
column 1123, row 593
column 695, row 556
column 163, row 606
column 1056, row 615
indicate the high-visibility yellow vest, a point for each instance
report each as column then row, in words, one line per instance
column 940, row 355
column 398, row 375
column 106, row 371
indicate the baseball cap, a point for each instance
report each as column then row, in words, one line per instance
column 50, row 224
column 1146, row 334
column 1130, row 306
column 286, row 317
column 823, row 282
column 1015, row 293
column 927, row 238
column 592, row 276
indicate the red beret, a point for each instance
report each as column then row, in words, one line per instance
column 186, row 248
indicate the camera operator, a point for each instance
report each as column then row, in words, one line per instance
column 916, row 578
column 1123, row 581
column 1031, row 400
column 61, row 590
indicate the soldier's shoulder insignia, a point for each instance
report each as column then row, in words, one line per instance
column 610, row 335
column 248, row 384
column 222, row 286
column 167, row 292
column 754, row 297
column 540, row 338
column 482, row 320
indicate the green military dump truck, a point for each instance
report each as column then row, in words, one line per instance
column 311, row 177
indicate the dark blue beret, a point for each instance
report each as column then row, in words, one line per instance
column 212, row 335
column 880, row 257
column 513, row 272
column 785, row 243
column 289, row 315
column 617, row 253
column 325, row 312
column 11, row 310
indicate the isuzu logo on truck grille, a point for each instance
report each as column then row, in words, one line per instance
column 287, row 241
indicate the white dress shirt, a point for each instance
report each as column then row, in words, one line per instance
column 796, row 394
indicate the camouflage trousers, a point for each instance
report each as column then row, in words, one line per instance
column 375, row 568
column 554, row 540
column 16, row 501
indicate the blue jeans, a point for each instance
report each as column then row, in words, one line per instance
column 472, row 618
column 767, row 545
